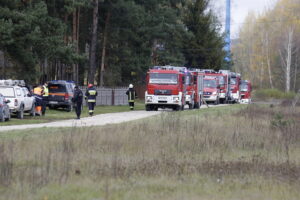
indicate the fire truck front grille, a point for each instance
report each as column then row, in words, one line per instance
column 163, row 92
column 162, row 102
column 206, row 93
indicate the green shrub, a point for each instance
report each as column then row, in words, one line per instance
column 273, row 93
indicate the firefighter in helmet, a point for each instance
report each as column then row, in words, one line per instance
column 91, row 95
column 131, row 96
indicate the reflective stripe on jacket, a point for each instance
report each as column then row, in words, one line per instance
column 46, row 91
column 91, row 94
column 131, row 95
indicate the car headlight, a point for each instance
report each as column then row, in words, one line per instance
column 149, row 98
column 214, row 93
column 175, row 98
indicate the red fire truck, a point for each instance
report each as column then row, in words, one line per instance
column 198, row 85
column 246, row 89
column 211, row 89
column 224, row 86
column 235, row 81
column 166, row 88
column 223, row 80
column 190, row 90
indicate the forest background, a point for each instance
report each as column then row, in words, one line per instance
column 106, row 42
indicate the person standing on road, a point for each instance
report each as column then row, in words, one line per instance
column 131, row 96
column 91, row 95
column 77, row 100
column 45, row 98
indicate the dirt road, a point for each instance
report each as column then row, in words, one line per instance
column 98, row 120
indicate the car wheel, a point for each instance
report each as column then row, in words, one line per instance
column 2, row 117
column 32, row 111
column 69, row 108
column 20, row 113
column 8, row 116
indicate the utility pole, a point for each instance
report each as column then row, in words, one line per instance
column 227, row 31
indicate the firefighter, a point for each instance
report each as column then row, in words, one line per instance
column 77, row 100
column 38, row 92
column 91, row 95
column 131, row 96
column 45, row 97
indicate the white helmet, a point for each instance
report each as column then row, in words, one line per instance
column 130, row 86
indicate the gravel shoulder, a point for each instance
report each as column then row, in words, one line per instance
column 97, row 120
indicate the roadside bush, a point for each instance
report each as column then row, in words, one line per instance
column 272, row 94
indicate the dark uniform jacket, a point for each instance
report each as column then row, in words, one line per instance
column 91, row 94
column 131, row 94
column 78, row 96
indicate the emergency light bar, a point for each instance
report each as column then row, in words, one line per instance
column 10, row 82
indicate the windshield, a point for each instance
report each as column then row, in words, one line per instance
column 7, row 92
column 57, row 88
column 233, row 81
column 221, row 80
column 210, row 83
column 163, row 78
column 244, row 87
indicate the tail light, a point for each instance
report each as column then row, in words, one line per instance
column 67, row 96
column 16, row 102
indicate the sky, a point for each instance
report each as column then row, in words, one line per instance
column 239, row 11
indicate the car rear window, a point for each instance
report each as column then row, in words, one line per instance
column 7, row 92
column 57, row 88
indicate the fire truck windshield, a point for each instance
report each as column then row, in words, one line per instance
column 221, row 80
column 210, row 83
column 233, row 81
column 156, row 78
column 244, row 87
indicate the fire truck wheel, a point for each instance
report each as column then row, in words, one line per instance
column 177, row 108
column 196, row 106
column 217, row 102
column 148, row 108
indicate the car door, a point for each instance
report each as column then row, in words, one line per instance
column 27, row 99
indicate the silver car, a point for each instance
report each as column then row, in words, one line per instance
column 4, row 109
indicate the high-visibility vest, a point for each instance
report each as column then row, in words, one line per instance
column 38, row 91
column 46, row 91
column 91, row 94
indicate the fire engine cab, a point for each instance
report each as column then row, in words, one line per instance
column 246, row 89
column 166, row 88
column 235, row 81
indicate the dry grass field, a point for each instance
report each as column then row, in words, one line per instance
column 235, row 152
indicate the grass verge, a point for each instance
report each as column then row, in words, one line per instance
column 60, row 114
column 237, row 152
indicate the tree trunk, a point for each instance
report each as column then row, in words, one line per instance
column 104, row 48
column 92, row 68
column 289, row 60
column 295, row 72
column 74, row 40
column 269, row 60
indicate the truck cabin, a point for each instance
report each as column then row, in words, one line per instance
column 172, row 81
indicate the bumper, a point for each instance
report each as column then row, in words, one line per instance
column 245, row 101
column 210, row 98
column 235, row 96
column 58, row 103
column 163, row 100
column 188, row 98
